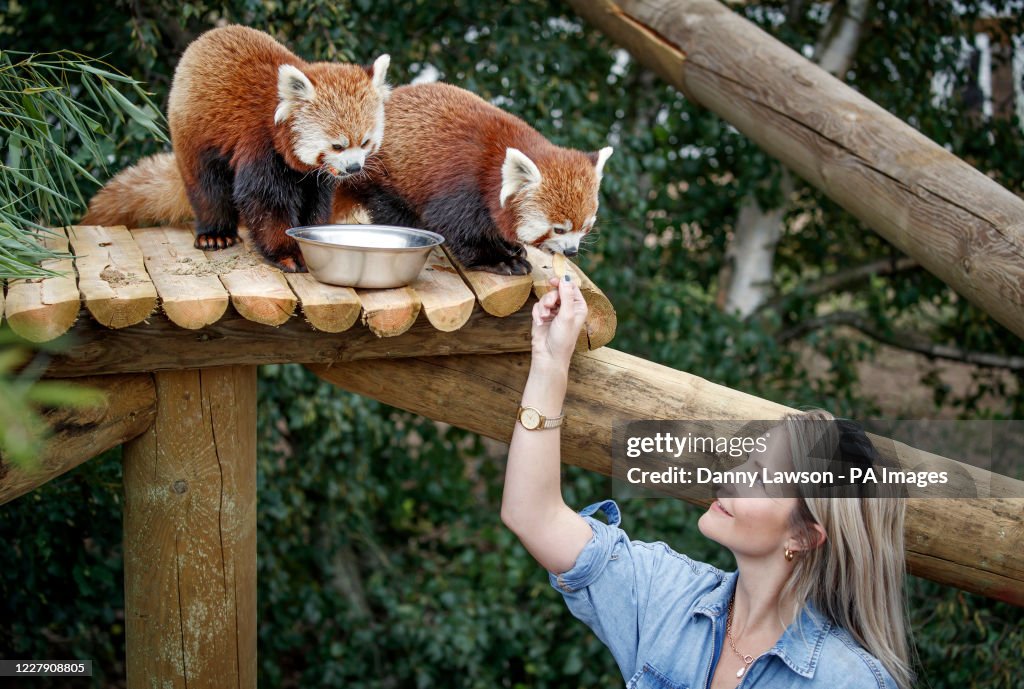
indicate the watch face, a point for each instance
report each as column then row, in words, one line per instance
column 530, row 418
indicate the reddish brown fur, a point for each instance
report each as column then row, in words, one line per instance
column 233, row 162
column 149, row 191
column 439, row 137
column 225, row 94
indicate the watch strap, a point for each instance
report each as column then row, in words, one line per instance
column 553, row 422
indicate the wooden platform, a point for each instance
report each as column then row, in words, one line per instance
column 153, row 282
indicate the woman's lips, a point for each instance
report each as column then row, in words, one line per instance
column 716, row 505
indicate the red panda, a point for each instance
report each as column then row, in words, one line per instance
column 259, row 136
column 479, row 176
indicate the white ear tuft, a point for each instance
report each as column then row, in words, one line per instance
column 292, row 86
column 380, row 73
column 517, row 173
column 603, row 155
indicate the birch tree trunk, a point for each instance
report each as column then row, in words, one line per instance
column 745, row 281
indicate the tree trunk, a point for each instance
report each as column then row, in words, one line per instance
column 956, row 221
column 745, row 281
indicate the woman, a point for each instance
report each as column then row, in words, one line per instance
column 816, row 600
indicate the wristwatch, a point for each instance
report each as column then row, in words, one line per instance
column 533, row 420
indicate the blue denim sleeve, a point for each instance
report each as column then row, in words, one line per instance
column 610, row 584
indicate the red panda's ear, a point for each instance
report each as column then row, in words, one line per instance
column 517, row 173
column 292, row 87
column 378, row 72
column 599, row 158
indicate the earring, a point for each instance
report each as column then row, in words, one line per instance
column 789, row 555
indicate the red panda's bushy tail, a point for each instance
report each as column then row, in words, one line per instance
column 151, row 191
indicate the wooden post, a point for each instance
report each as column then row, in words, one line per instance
column 957, row 222
column 190, row 534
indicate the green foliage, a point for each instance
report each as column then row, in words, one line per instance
column 58, row 113
column 24, row 431
column 62, row 584
column 382, row 559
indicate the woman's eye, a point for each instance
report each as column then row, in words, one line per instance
column 338, row 147
column 559, row 230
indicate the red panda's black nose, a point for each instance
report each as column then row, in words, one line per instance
column 569, row 253
column 353, row 168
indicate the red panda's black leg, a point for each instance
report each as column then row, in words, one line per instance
column 386, row 208
column 211, row 199
column 270, row 196
column 471, row 235
column 317, row 199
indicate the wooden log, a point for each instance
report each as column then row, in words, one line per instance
column 601, row 319
column 190, row 534
column 956, row 221
column 42, row 309
column 112, row 276
column 499, row 295
column 969, row 543
column 389, row 312
column 81, row 434
column 160, row 344
column 447, row 301
column 190, row 292
column 329, row 308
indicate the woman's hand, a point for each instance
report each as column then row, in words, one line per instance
column 558, row 317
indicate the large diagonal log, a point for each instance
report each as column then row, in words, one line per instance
column 81, row 434
column 970, row 543
column 957, row 222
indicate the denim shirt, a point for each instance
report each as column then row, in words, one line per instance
column 662, row 616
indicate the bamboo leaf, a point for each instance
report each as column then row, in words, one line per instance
column 86, row 67
column 33, row 183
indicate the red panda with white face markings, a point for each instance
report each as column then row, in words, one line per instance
column 259, row 135
column 479, row 176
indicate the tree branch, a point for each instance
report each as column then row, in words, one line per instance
column 844, row 279
column 909, row 341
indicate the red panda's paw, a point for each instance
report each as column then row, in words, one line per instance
column 514, row 265
column 520, row 266
column 213, row 242
column 291, row 264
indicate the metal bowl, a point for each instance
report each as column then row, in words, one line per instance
column 369, row 256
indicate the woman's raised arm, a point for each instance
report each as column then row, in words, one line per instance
column 532, row 505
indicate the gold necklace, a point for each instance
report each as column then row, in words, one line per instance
column 747, row 659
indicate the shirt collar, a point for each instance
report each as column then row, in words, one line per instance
column 801, row 643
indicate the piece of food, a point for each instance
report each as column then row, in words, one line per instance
column 560, row 264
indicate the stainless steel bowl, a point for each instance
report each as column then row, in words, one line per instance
column 370, row 256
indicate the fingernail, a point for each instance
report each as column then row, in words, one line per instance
column 568, row 277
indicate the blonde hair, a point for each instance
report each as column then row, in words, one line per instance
column 856, row 576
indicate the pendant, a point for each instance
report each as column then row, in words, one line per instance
column 739, row 673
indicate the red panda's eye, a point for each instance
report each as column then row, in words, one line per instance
column 338, row 147
column 559, row 230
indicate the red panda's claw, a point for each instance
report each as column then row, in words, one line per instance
column 213, row 242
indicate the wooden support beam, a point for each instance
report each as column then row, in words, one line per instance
column 956, row 221
column 160, row 344
column 970, row 543
column 81, row 434
column 190, row 534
